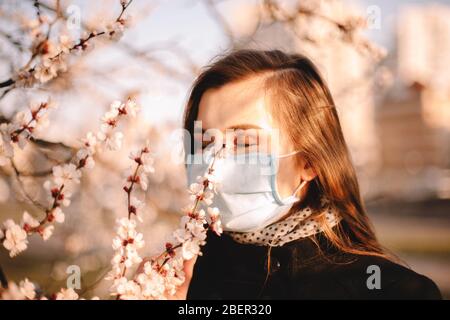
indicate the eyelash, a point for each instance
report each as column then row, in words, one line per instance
column 246, row 145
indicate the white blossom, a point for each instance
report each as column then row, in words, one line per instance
column 174, row 275
column 66, row 174
column 126, row 289
column 57, row 215
column 15, row 238
column 126, row 228
column 131, row 107
column 110, row 138
column 47, row 232
column 143, row 180
column 28, row 289
column 131, row 256
column 216, row 226
column 24, row 79
column 50, row 186
column 190, row 249
column 181, row 235
column 85, row 155
column 21, row 119
column 67, row 294
column 89, row 143
column 25, row 290
column 213, row 213
column 202, row 190
column 215, row 223
column 18, row 129
column 152, row 283
column 147, row 163
column 45, row 71
column 12, row 292
column 136, row 205
column 28, row 221
column 65, row 43
column 110, row 116
column 126, row 245
column 196, row 188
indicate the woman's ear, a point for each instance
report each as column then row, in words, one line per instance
column 307, row 171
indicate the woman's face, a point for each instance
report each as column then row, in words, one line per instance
column 241, row 107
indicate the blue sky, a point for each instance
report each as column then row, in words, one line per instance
column 189, row 23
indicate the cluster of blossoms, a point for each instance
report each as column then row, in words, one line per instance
column 53, row 60
column 26, row 290
column 163, row 275
column 195, row 223
column 22, row 128
column 128, row 241
column 50, row 58
column 53, row 55
column 108, row 135
column 64, row 179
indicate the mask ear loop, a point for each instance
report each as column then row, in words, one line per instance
column 299, row 187
column 301, row 184
column 288, row 154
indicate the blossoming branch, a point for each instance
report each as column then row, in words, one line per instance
column 26, row 290
column 53, row 55
column 164, row 274
column 65, row 177
column 161, row 276
column 128, row 241
column 22, row 128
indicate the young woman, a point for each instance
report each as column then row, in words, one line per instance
column 300, row 231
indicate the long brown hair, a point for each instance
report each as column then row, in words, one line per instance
column 301, row 103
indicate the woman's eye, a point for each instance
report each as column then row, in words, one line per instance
column 246, row 145
column 206, row 144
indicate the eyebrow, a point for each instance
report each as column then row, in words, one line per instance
column 242, row 126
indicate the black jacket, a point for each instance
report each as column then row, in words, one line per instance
column 299, row 270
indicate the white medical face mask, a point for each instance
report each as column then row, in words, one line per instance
column 247, row 194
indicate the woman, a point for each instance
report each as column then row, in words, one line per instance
column 300, row 232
